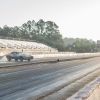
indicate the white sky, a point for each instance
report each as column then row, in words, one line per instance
column 75, row 18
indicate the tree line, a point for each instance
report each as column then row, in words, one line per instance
column 41, row 31
column 49, row 34
column 80, row 45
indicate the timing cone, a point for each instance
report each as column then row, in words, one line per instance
column 58, row 60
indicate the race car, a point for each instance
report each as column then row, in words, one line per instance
column 19, row 56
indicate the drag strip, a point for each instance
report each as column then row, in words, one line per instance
column 40, row 80
column 44, row 60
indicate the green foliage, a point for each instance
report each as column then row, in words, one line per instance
column 82, row 46
column 48, row 33
column 45, row 32
column 69, row 41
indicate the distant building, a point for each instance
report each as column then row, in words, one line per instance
column 98, row 43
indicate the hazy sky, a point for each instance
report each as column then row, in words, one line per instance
column 75, row 18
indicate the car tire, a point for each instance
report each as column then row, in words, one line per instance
column 28, row 59
column 21, row 58
column 9, row 58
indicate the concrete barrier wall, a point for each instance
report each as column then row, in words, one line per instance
column 65, row 55
column 52, row 55
column 58, row 54
column 89, row 92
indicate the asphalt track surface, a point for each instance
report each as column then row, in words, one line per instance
column 40, row 80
